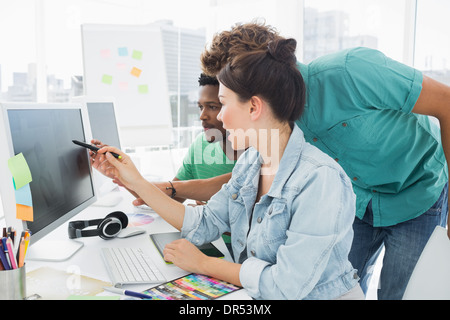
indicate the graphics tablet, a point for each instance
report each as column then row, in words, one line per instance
column 161, row 239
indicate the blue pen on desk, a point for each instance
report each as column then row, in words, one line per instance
column 127, row 293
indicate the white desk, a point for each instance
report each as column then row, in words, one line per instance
column 88, row 261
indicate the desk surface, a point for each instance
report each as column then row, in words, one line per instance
column 86, row 268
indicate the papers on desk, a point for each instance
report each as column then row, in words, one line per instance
column 54, row 284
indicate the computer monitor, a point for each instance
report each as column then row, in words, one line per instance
column 62, row 183
column 104, row 127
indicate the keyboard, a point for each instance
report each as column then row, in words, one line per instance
column 130, row 266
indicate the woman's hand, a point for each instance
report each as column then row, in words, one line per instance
column 122, row 170
column 185, row 255
column 98, row 159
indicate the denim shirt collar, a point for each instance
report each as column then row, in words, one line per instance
column 288, row 161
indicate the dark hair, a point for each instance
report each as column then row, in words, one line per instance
column 241, row 38
column 205, row 80
column 271, row 74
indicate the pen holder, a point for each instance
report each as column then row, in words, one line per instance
column 13, row 284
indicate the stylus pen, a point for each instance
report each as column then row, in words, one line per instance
column 94, row 148
column 127, row 293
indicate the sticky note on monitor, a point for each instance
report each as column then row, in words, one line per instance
column 19, row 170
column 23, row 196
column 24, row 212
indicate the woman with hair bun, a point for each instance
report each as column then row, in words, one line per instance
column 371, row 114
column 289, row 206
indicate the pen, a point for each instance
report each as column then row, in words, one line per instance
column 21, row 253
column 27, row 241
column 5, row 251
column 3, row 258
column 127, row 293
column 11, row 253
column 94, row 148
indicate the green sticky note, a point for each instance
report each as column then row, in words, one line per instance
column 107, row 79
column 137, row 55
column 143, row 88
column 19, row 170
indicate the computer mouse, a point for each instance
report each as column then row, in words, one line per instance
column 130, row 232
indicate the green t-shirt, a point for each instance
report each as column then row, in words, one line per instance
column 358, row 111
column 204, row 160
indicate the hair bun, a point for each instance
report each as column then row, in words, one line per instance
column 283, row 50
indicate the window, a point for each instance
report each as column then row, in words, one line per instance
column 331, row 25
column 432, row 46
column 41, row 56
column 18, row 53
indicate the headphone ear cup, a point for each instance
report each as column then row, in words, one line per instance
column 121, row 216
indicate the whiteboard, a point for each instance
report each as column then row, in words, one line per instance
column 127, row 62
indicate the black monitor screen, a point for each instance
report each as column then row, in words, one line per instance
column 103, row 123
column 61, row 179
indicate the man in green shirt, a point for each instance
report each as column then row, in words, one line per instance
column 369, row 113
column 210, row 154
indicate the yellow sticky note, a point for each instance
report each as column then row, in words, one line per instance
column 143, row 89
column 136, row 72
column 19, row 170
column 24, row 212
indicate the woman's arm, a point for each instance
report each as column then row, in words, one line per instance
column 195, row 189
column 124, row 170
column 434, row 100
column 200, row 189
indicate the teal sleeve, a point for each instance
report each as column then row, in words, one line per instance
column 381, row 82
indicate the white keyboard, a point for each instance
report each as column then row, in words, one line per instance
column 130, row 266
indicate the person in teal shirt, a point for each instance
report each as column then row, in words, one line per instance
column 370, row 114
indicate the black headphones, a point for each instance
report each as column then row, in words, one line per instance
column 107, row 228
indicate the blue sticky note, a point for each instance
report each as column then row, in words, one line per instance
column 123, row 51
column 23, row 196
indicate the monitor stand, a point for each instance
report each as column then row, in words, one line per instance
column 58, row 250
column 109, row 200
column 108, row 194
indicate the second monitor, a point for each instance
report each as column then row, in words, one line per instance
column 104, row 127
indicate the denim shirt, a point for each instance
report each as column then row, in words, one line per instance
column 297, row 243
